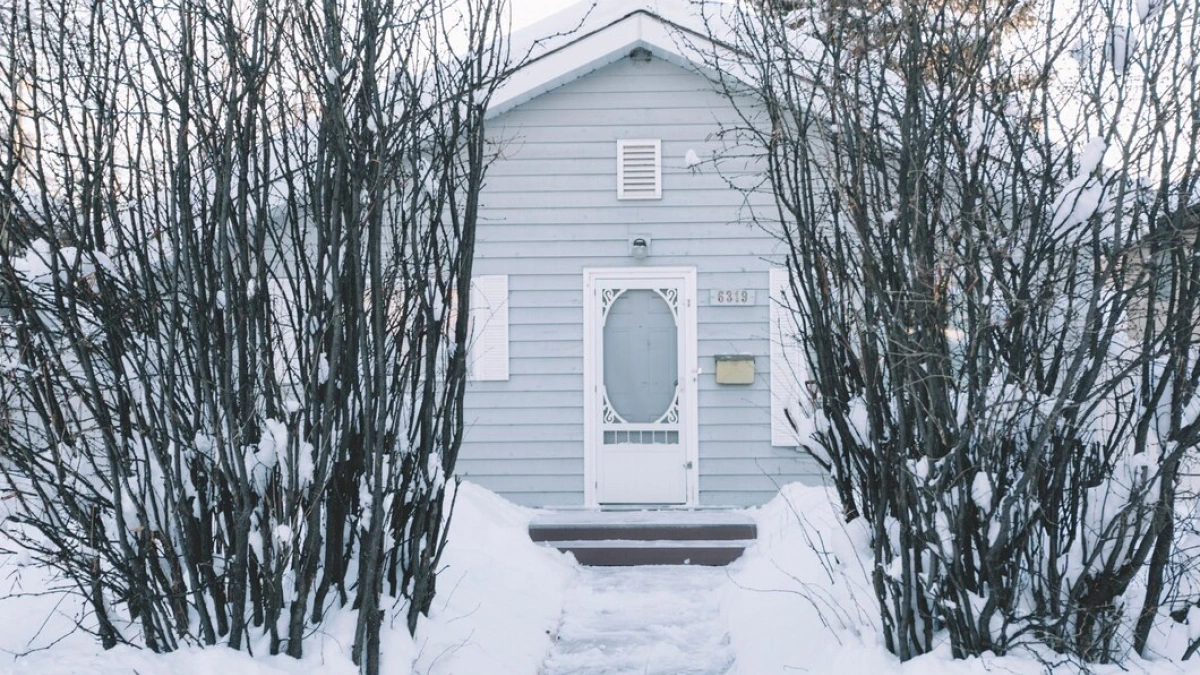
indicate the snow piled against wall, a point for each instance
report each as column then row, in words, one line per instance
column 499, row 597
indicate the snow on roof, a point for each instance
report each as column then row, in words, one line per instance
column 589, row 15
column 592, row 34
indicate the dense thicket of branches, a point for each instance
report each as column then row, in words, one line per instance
column 995, row 276
column 238, row 242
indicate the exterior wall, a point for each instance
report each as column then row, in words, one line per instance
column 550, row 211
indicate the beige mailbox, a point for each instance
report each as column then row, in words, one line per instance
column 735, row 369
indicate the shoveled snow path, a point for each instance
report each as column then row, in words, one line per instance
column 652, row 620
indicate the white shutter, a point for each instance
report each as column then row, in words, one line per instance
column 787, row 364
column 285, row 333
column 488, row 351
column 283, row 305
column 639, row 169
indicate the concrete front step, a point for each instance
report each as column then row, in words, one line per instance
column 623, row 552
column 665, row 537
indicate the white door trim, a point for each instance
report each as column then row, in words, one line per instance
column 688, row 378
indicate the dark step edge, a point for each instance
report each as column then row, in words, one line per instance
column 616, row 556
column 643, row 531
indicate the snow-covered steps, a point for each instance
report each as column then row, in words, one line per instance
column 660, row 537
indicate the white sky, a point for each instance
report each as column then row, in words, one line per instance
column 525, row 12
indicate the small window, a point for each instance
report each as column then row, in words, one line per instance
column 639, row 169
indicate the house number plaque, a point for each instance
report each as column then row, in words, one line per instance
column 731, row 296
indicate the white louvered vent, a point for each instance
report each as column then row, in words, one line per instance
column 639, row 169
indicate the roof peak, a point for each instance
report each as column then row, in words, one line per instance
column 588, row 35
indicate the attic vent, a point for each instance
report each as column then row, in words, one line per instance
column 639, row 169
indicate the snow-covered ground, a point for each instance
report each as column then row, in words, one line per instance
column 654, row 620
column 499, row 600
column 509, row 607
column 791, row 610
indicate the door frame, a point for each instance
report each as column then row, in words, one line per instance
column 689, row 378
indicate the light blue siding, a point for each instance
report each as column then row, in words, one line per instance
column 550, row 211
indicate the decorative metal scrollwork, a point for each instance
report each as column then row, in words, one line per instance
column 608, row 296
column 671, row 297
column 609, row 414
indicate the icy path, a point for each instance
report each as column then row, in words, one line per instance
column 661, row 620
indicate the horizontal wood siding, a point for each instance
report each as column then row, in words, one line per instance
column 550, row 211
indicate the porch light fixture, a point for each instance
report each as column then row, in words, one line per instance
column 640, row 248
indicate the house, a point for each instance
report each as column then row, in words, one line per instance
column 624, row 300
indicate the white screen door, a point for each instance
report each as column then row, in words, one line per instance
column 640, row 385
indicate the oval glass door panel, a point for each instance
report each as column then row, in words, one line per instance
column 641, row 364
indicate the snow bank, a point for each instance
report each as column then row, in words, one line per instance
column 499, row 598
column 499, row 594
column 38, row 637
column 798, row 601
column 790, row 609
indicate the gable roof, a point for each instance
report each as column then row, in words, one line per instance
column 590, row 35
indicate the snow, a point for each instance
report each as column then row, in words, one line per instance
column 1143, row 9
column 1077, row 205
column 981, row 491
column 587, row 34
column 781, row 589
column 322, row 369
column 791, row 609
column 500, row 596
column 304, row 464
column 1084, row 194
column 34, row 266
column 585, row 16
column 653, row 620
column 1093, row 151
column 799, row 600
column 1120, row 47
